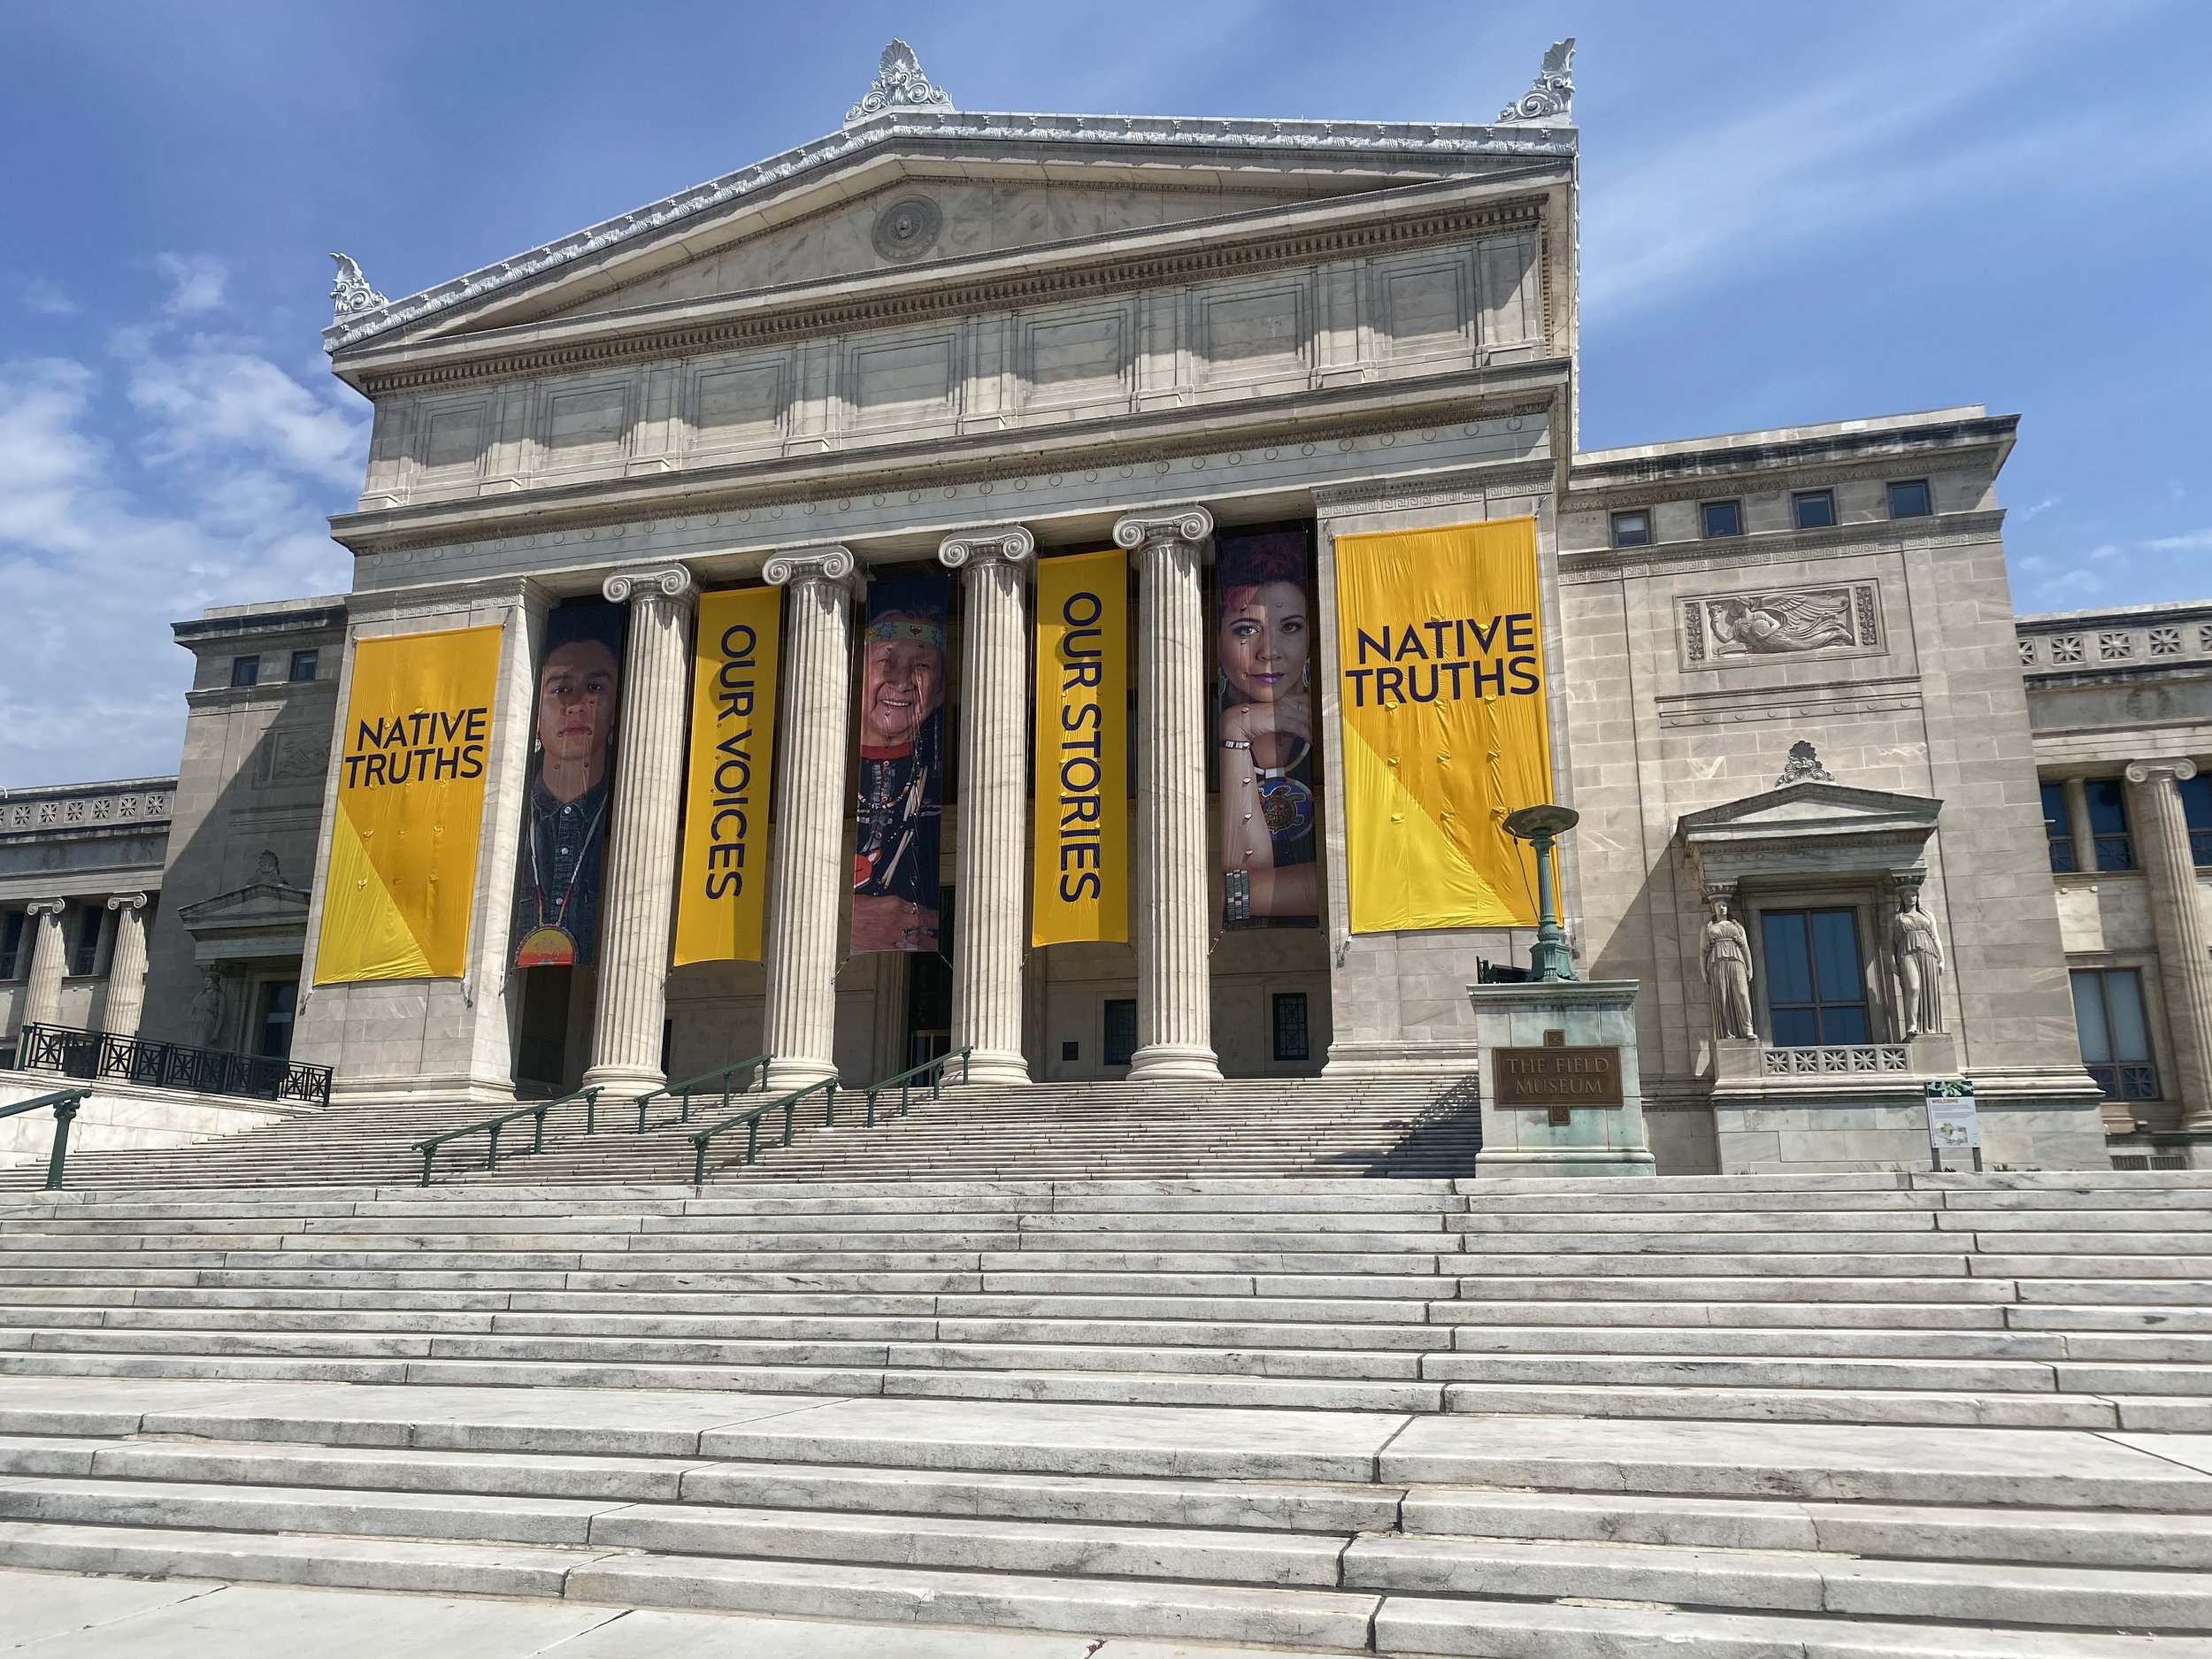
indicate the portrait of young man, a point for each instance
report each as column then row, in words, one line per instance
column 565, row 811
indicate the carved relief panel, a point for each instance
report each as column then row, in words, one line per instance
column 1720, row 630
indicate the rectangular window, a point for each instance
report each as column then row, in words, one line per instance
column 2196, row 807
column 1816, row 509
column 245, row 671
column 1632, row 529
column 2115, row 1045
column 1290, row 1024
column 1723, row 518
column 14, row 959
column 1121, row 1030
column 280, row 1004
column 2058, row 830
column 1909, row 499
column 84, row 956
column 1816, row 990
column 2108, row 823
column 302, row 665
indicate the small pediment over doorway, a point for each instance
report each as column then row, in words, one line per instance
column 1810, row 828
column 265, row 917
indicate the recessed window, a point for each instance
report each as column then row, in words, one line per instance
column 84, row 956
column 1121, row 1030
column 1290, row 1024
column 1816, row 509
column 1723, row 518
column 2058, row 830
column 279, row 1005
column 1632, row 529
column 303, row 666
column 245, row 671
column 2110, row 836
column 2115, row 1045
column 1815, row 985
column 14, row 963
column 1909, row 499
column 2196, row 807
column 1071, row 1051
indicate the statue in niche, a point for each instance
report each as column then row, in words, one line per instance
column 1726, row 961
column 1919, row 955
column 207, row 1008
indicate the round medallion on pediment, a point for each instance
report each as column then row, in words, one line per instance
column 907, row 229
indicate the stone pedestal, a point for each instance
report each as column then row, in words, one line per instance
column 126, row 966
column 1174, row 919
column 648, row 786
column 986, row 955
column 811, row 869
column 1520, row 1141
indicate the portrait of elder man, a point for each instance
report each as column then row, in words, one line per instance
column 572, row 773
column 902, row 747
column 1264, row 741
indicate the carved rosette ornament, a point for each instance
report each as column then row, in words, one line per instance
column 899, row 84
column 350, row 295
column 1551, row 98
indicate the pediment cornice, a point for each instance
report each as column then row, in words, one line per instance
column 1192, row 251
column 258, row 905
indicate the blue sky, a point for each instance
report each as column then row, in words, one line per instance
column 1792, row 213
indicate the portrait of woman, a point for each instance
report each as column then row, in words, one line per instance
column 1264, row 727
column 571, row 778
column 901, row 767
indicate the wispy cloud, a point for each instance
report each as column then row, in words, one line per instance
column 196, row 282
column 47, row 299
column 2190, row 543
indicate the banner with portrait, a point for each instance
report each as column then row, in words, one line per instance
column 901, row 792
column 723, row 873
column 1441, row 677
column 562, row 862
column 1263, row 728
column 1080, row 857
column 401, row 878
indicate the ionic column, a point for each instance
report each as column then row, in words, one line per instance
column 811, row 869
column 2185, row 954
column 1174, row 920
column 127, row 965
column 41, row 997
column 639, row 899
column 986, row 955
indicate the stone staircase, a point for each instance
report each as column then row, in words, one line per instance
column 1426, row 1126
column 1781, row 1417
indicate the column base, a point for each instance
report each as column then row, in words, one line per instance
column 1174, row 1063
column 992, row 1065
column 1522, row 1163
column 621, row 1085
column 787, row 1072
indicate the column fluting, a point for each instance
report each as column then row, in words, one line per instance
column 811, row 869
column 126, row 966
column 639, row 895
column 990, row 861
column 1174, row 921
column 41, row 997
column 2185, row 953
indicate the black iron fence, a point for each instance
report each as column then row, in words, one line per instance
column 96, row 1055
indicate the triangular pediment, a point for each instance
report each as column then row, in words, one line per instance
column 1797, row 807
column 260, row 905
column 995, row 186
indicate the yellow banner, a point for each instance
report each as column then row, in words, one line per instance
column 724, row 881
column 1079, row 862
column 1441, row 675
column 401, row 876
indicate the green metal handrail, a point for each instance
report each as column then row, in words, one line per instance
column 493, row 1126
column 65, row 1102
column 789, row 1103
column 686, row 1089
column 906, row 1080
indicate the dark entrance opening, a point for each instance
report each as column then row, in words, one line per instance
column 929, row 992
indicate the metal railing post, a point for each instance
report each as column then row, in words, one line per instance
column 65, row 1114
column 492, row 1162
column 429, row 1153
column 537, row 1139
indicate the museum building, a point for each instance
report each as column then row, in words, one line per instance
column 1087, row 591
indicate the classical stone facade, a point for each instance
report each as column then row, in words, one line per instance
column 1788, row 693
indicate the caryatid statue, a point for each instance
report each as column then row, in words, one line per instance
column 1726, row 961
column 1919, row 955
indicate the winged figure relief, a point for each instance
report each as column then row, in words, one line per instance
column 1779, row 623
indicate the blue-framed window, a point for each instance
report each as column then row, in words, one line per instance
column 2196, row 806
column 2115, row 1044
column 2109, row 831
column 2058, row 830
column 1816, row 982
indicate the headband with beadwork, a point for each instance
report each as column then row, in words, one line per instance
column 899, row 625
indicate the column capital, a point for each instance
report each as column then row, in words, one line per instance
column 126, row 900
column 46, row 907
column 829, row 562
column 986, row 544
column 2179, row 771
column 1156, row 527
column 648, row 581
